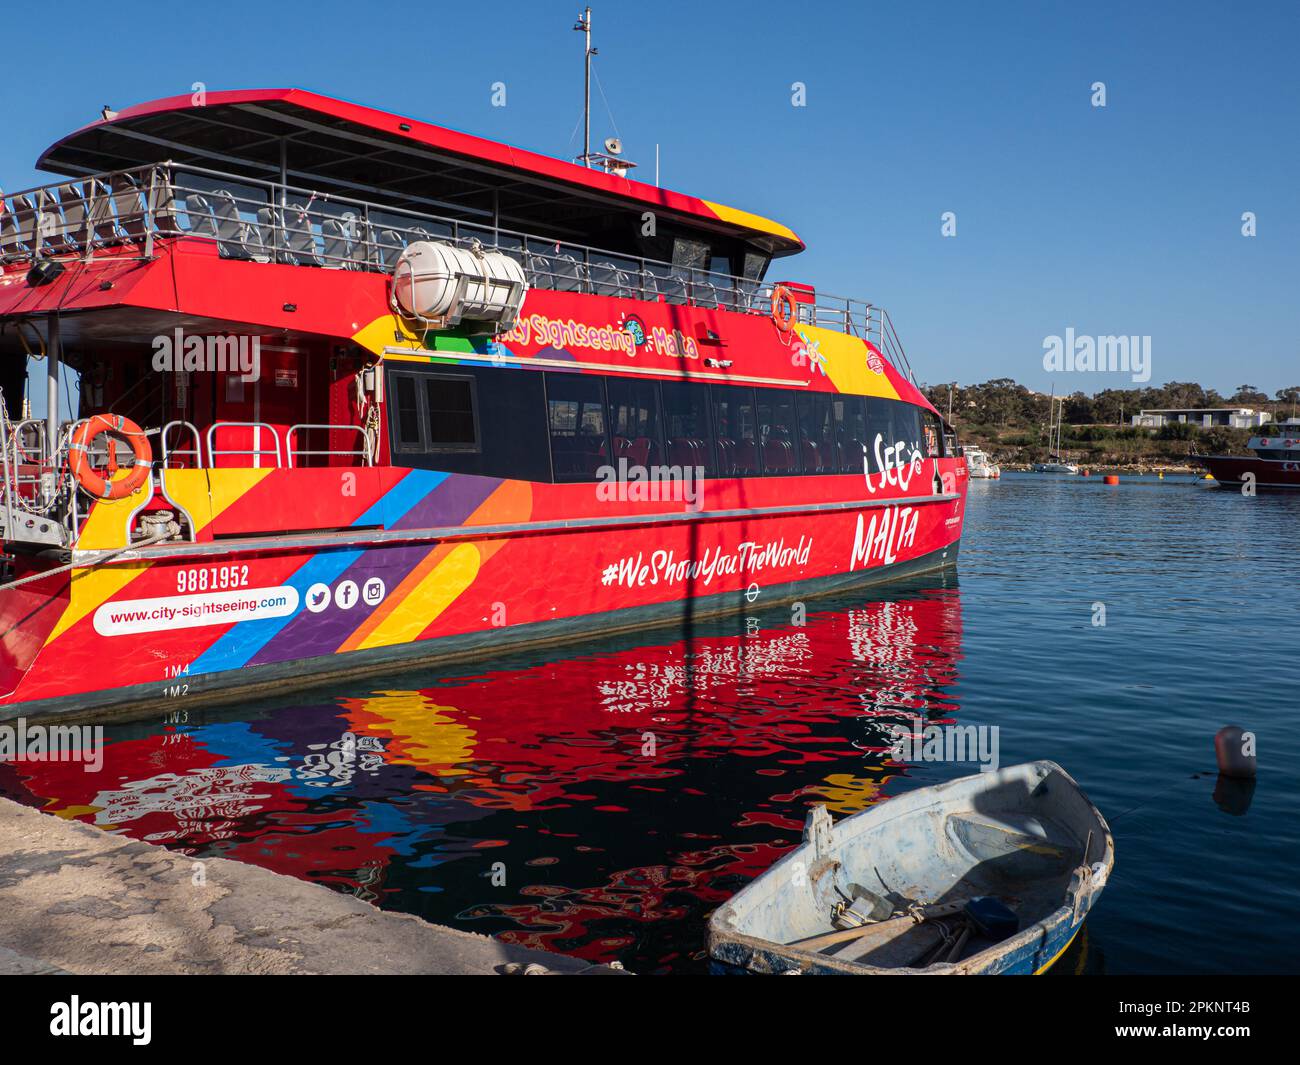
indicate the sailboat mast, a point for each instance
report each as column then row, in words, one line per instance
column 1051, row 424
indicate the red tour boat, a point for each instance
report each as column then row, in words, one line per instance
column 342, row 389
column 1275, row 467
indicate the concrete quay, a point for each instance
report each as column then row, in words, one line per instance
column 76, row 899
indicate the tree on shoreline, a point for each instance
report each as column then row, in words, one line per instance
column 1004, row 404
column 1010, row 420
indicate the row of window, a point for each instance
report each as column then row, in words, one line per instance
column 579, row 423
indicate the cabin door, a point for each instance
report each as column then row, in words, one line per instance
column 267, row 407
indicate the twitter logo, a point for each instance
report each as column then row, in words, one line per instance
column 318, row 597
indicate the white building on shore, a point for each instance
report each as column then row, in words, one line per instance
column 1201, row 417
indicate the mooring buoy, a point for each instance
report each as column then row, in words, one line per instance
column 1234, row 749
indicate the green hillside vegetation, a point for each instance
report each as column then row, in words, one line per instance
column 1010, row 422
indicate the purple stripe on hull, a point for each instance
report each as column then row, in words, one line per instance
column 308, row 634
column 450, row 503
column 311, row 634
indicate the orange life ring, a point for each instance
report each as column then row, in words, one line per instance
column 79, row 456
column 782, row 308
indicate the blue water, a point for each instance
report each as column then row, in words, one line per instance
column 603, row 798
column 1196, row 583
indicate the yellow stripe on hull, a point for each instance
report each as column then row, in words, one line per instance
column 1057, row 956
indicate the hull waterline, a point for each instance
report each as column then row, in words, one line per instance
column 441, row 594
column 1264, row 475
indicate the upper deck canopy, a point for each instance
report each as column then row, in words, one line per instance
column 316, row 139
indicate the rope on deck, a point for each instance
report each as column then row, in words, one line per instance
column 83, row 565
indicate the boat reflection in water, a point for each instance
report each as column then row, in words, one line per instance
column 597, row 800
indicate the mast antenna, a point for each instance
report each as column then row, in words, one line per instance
column 583, row 26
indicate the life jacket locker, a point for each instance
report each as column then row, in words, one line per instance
column 442, row 281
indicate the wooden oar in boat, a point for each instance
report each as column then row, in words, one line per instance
column 923, row 913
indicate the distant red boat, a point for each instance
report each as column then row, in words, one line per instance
column 1275, row 467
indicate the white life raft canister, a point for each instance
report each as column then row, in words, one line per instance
column 439, row 280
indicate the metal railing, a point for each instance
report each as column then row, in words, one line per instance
column 881, row 333
column 263, row 221
column 8, row 483
column 255, row 452
column 40, row 501
column 123, row 207
column 292, row 451
column 283, row 451
column 34, row 489
column 166, row 453
column 28, row 458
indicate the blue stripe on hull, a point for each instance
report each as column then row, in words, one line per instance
column 1030, row 959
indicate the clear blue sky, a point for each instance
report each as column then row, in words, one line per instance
column 1122, row 220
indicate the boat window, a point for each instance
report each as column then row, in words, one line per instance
column 409, row 437
column 907, row 423
column 434, row 412
column 779, row 437
column 508, row 421
column 634, row 421
column 576, row 419
column 879, row 431
column 449, row 411
column 735, row 430
column 686, row 424
column 933, row 435
column 850, row 432
column 894, row 421
column 593, row 421
column 816, row 432
column 690, row 254
column 755, row 265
